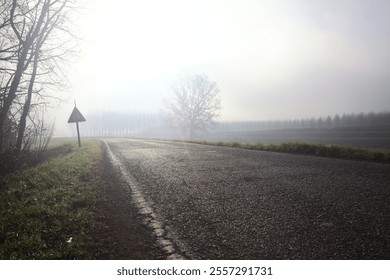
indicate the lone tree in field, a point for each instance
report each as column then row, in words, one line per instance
column 195, row 105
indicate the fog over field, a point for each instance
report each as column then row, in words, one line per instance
column 272, row 60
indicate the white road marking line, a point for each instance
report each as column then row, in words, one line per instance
column 149, row 217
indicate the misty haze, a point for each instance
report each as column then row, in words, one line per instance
column 251, row 129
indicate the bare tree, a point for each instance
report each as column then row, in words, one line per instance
column 31, row 46
column 195, row 105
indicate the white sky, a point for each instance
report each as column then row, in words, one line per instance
column 271, row 59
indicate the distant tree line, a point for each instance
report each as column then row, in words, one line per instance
column 126, row 124
column 345, row 120
column 159, row 125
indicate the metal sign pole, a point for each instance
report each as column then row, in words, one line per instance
column 76, row 117
column 78, row 133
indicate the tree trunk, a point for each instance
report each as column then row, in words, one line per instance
column 27, row 105
column 13, row 89
column 23, row 60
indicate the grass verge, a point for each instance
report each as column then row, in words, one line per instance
column 302, row 148
column 47, row 211
column 70, row 207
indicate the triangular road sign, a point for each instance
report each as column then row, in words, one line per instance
column 76, row 116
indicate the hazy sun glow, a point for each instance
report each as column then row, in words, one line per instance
column 156, row 42
column 145, row 40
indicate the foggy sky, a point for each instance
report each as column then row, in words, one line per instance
column 271, row 59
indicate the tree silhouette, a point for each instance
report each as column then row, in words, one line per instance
column 34, row 38
column 195, row 104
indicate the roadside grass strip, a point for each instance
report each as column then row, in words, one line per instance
column 49, row 211
column 302, row 148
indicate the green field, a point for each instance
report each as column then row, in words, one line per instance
column 302, row 148
column 375, row 137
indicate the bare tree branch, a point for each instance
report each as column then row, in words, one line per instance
column 33, row 46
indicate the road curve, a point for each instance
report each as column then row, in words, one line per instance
column 226, row 203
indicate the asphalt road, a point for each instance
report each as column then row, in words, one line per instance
column 226, row 203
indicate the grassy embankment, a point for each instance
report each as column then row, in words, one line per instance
column 332, row 151
column 47, row 211
column 65, row 209
column 72, row 206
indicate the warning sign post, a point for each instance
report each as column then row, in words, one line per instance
column 76, row 117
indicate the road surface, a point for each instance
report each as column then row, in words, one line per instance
column 225, row 203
